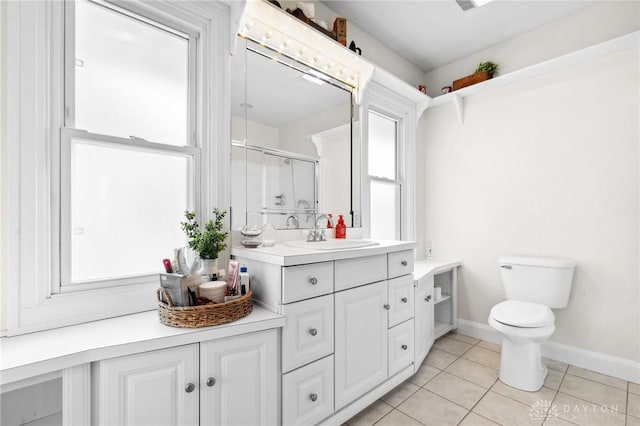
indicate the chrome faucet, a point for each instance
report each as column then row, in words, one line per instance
column 294, row 220
column 316, row 234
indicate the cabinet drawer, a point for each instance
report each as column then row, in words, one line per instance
column 307, row 393
column 306, row 281
column 400, row 263
column 308, row 333
column 355, row 272
column 401, row 350
column 401, row 296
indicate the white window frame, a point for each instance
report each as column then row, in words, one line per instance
column 386, row 102
column 35, row 117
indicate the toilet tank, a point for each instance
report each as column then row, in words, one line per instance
column 544, row 280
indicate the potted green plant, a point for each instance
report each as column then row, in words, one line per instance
column 484, row 71
column 490, row 67
column 207, row 242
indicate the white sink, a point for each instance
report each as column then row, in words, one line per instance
column 337, row 244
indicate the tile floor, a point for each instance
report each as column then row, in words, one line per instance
column 458, row 385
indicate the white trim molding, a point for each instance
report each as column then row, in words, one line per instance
column 610, row 365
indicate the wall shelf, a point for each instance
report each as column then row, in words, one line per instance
column 574, row 58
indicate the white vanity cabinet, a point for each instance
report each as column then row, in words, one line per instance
column 424, row 331
column 349, row 329
column 229, row 381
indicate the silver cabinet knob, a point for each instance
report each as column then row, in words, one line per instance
column 313, row 332
column 313, row 280
column 313, row 397
column 428, row 298
column 190, row 387
column 404, row 347
column 404, row 263
column 386, row 306
column 211, row 381
column 404, row 300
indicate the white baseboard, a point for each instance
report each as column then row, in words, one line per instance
column 610, row 365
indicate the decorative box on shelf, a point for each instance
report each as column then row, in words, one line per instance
column 471, row 79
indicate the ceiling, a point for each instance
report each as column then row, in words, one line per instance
column 433, row 33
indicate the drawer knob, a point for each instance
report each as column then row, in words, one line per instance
column 190, row 387
column 313, row 332
column 404, row 347
column 386, row 306
column 404, row 263
column 313, row 397
column 211, row 381
column 404, row 300
column 313, row 280
column 428, row 298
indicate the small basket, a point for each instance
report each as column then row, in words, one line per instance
column 202, row 315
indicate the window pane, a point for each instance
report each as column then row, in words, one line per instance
column 131, row 77
column 126, row 206
column 385, row 210
column 382, row 146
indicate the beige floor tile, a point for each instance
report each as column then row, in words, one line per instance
column 400, row 393
column 463, row 338
column 540, row 397
column 473, row 372
column 440, row 359
column 473, row 419
column 491, row 346
column 555, row 365
column 424, row 374
column 456, row 389
column 634, row 405
column 633, row 421
column 593, row 392
column 483, row 356
column 506, row 411
column 371, row 414
column 398, row 418
column 597, row 377
column 430, row 409
column 584, row 413
column 634, row 388
column 452, row 346
column 553, row 380
column 557, row 421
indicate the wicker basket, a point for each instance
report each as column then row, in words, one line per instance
column 202, row 315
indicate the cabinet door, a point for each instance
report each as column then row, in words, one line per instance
column 401, row 294
column 238, row 377
column 308, row 334
column 401, row 350
column 424, row 333
column 151, row 388
column 307, row 393
column 361, row 341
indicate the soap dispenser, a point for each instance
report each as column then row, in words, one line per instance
column 341, row 228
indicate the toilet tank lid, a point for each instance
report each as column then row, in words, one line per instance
column 550, row 262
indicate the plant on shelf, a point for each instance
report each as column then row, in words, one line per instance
column 489, row 66
column 208, row 243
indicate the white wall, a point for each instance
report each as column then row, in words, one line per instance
column 604, row 21
column 544, row 167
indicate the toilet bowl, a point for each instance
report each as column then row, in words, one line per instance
column 520, row 360
column 533, row 286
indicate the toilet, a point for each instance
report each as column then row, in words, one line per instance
column 533, row 286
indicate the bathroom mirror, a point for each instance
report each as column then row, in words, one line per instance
column 295, row 148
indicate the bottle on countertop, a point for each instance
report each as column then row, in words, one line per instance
column 329, row 220
column 244, row 280
column 341, row 228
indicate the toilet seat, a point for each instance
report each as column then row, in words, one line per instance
column 516, row 313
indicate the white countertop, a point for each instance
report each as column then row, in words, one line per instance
column 43, row 352
column 284, row 255
column 433, row 265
